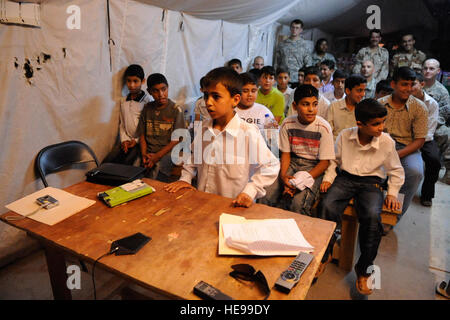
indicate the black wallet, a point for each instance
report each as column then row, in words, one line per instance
column 114, row 174
column 130, row 244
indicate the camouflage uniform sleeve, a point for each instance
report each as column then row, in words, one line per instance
column 358, row 61
column 384, row 70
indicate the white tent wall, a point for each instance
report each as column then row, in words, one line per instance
column 68, row 97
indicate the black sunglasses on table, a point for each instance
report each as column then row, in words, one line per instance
column 247, row 272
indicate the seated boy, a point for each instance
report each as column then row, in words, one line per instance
column 283, row 86
column 306, row 145
column 301, row 77
column 238, row 165
column 430, row 151
column 130, row 110
column 341, row 113
column 383, row 89
column 326, row 71
column 312, row 77
column 235, row 64
column 364, row 156
column 338, row 85
column 247, row 109
column 407, row 123
column 200, row 111
column 158, row 120
column 269, row 96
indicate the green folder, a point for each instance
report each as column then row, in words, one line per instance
column 126, row 192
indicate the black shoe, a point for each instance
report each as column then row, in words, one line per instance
column 426, row 203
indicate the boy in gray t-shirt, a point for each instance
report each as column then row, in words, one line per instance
column 158, row 120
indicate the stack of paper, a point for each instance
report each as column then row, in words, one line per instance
column 261, row 237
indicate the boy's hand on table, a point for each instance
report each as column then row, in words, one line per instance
column 324, row 186
column 177, row 185
column 392, row 203
column 242, row 200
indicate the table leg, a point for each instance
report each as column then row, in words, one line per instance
column 56, row 265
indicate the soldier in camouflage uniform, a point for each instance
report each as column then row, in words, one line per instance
column 293, row 53
column 378, row 55
column 409, row 56
column 431, row 69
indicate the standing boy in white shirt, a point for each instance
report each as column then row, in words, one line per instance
column 130, row 109
column 306, row 145
column 234, row 159
column 364, row 156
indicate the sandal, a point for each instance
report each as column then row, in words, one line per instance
column 443, row 289
column 362, row 285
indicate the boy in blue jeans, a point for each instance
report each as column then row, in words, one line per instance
column 364, row 156
column 306, row 145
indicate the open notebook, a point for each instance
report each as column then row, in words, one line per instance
column 268, row 237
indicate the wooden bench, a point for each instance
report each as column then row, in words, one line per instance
column 349, row 232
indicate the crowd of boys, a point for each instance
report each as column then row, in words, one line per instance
column 339, row 136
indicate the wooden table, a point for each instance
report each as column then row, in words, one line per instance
column 184, row 245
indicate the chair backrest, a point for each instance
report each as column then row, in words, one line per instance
column 60, row 156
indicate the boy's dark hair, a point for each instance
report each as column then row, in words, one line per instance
column 339, row 74
column 268, row 70
column 420, row 77
column 302, row 69
column 368, row 109
column 384, row 85
column 305, row 91
column 328, row 63
column 296, row 21
column 248, row 78
column 255, row 72
column 318, row 43
column 312, row 70
column 134, row 70
column 354, row 80
column 234, row 61
column 374, row 30
column 156, row 78
column 227, row 77
column 202, row 80
column 403, row 73
column 281, row 70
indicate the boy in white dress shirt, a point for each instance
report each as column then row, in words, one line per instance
column 234, row 159
column 364, row 156
column 306, row 145
column 130, row 109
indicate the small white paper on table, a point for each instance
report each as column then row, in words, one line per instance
column 69, row 204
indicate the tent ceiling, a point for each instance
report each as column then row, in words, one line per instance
column 340, row 17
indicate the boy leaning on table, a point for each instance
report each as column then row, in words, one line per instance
column 364, row 156
column 235, row 160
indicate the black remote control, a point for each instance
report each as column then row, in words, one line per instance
column 289, row 278
column 208, row 292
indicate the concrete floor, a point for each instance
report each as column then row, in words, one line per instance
column 412, row 258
